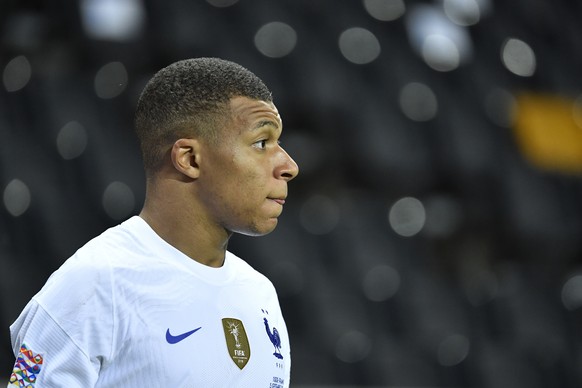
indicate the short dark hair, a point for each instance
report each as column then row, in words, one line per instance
column 190, row 98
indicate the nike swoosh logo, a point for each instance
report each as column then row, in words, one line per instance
column 174, row 339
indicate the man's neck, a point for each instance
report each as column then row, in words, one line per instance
column 185, row 229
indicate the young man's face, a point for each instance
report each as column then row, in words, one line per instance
column 245, row 175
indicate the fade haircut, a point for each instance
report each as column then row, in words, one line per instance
column 190, row 98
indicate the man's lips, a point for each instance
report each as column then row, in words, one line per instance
column 280, row 201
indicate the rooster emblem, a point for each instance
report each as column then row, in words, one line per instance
column 275, row 339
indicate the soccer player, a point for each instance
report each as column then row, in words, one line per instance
column 158, row 301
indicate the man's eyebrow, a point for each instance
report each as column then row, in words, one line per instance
column 264, row 123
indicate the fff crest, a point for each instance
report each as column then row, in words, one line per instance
column 237, row 341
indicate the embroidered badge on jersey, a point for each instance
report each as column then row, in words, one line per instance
column 274, row 337
column 237, row 342
column 26, row 368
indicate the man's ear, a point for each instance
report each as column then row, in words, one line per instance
column 185, row 155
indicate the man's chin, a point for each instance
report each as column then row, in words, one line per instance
column 260, row 230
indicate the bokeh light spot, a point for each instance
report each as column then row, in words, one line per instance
column 113, row 20
column 17, row 197
column 17, row 74
column 111, row 80
column 71, row 140
column 381, row 283
column 442, row 44
column 453, row 350
column 359, row 46
column 418, row 102
column 407, row 216
column 462, row 12
column 518, row 57
column 353, row 346
column 440, row 53
column 572, row 293
column 385, row 10
column 276, row 39
column 118, row 200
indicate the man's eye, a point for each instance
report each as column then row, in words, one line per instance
column 261, row 144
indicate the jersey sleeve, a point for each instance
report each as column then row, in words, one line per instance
column 45, row 354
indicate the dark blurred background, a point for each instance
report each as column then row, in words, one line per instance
column 433, row 237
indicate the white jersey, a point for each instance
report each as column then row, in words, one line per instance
column 130, row 310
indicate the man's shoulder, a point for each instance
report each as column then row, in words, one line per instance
column 92, row 261
column 89, row 272
column 113, row 241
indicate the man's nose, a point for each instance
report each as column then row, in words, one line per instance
column 287, row 169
